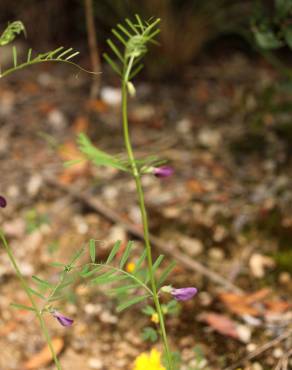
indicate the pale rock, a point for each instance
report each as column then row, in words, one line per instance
column 57, row 119
column 13, row 191
column 184, row 126
column 258, row 263
column 95, row 363
column 116, row 233
column 192, row 246
column 244, row 333
column 209, row 138
column 143, row 112
column 34, row 184
column 216, row 254
column 285, row 278
column 278, row 352
column 256, row 366
column 111, row 95
column 251, row 347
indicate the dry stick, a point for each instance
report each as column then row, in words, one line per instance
column 167, row 248
column 261, row 349
column 92, row 43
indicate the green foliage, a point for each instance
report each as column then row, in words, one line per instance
column 97, row 156
column 134, row 37
column 34, row 220
column 12, row 30
column 149, row 334
column 273, row 32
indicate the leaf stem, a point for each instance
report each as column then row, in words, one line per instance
column 143, row 211
column 31, row 298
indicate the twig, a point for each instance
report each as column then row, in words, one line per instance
column 167, row 248
column 261, row 349
column 92, row 43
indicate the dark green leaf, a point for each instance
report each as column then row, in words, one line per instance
column 36, row 293
column 42, row 282
column 148, row 310
column 149, row 334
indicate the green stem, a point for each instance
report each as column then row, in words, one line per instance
column 31, row 298
column 144, row 217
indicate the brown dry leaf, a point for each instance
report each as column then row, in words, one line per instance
column 195, row 186
column 80, row 125
column 257, row 296
column 277, row 306
column 236, row 303
column 44, row 357
column 221, row 323
column 97, row 105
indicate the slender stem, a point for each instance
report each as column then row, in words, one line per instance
column 31, row 298
column 144, row 217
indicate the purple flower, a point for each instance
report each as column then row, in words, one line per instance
column 163, row 171
column 3, row 202
column 63, row 320
column 183, row 294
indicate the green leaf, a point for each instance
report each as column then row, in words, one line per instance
column 92, row 250
column 106, row 279
column 288, row 35
column 267, row 39
column 36, row 293
column 11, row 31
column 57, row 264
column 113, row 252
column 22, row 307
column 155, row 267
column 166, row 273
column 86, row 272
column 98, row 157
column 283, row 7
column 44, row 283
column 131, row 302
column 140, row 260
column 76, row 256
column 149, row 334
column 126, row 254
column 148, row 310
column 124, row 289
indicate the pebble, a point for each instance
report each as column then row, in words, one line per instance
column 278, row 352
column 111, row 95
column 95, row 363
column 216, row 254
column 284, row 278
column 251, row 347
column 256, row 366
column 244, row 333
column 192, row 246
column 34, row 184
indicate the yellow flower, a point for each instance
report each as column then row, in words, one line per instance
column 155, row 318
column 149, row 361
column 130, row 267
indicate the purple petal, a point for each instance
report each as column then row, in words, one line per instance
column 3, row 202
column 163, row 171
column 63, row 320
column 183, row 294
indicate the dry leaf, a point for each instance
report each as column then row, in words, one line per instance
column 44, row 357
column 236, row 304
column 97, row 105
column 221, row 323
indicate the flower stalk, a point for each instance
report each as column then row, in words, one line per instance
column 140, row 194
column 31, row 299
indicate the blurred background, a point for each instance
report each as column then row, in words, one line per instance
column 215, row 100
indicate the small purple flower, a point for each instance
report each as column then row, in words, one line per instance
column 163, row 171
column 63, row 320
column 3, row 202
column 183, row 294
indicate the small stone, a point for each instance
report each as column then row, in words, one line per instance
column 34, row 184
column 258, row 263
column 111, row 95
column 244, row 333
column 216, row 254
column 57, row 119
column 251, row 347
column 256, row 366
column 192, row 246
column 184, row 126
column 209, row 138
column 278, row 352
column 95, row 363
column 284, row 278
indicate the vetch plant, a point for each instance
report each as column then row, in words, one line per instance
column 45, row 291
column 133, row 39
